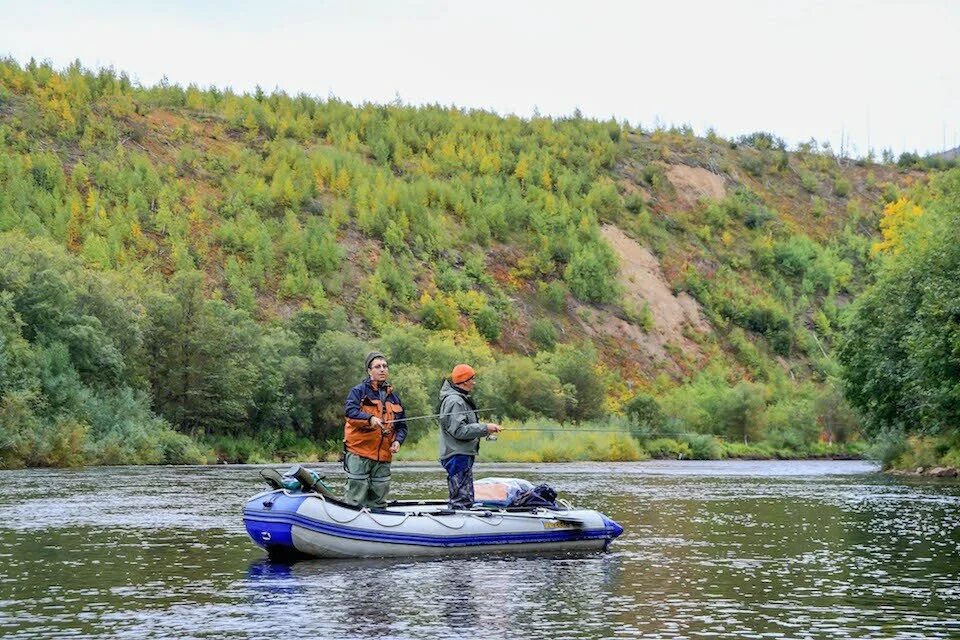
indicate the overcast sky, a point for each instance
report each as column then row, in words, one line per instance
column 886, row 74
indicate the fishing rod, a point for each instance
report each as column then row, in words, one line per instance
column 569, row 430
column 438, row 415
column 633, row 432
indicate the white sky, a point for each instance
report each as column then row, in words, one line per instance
column 886, row 73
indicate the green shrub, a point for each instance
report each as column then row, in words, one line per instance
column 438, row 313
column 819, row 207
column 641, row 317
column 951, row 458
column 753, row 162
column 841, row 187
column 552, row 295
column 703, row 447
column 434, row 352
column 604, row 200
column 809, row 182
column 792, row 424
column 740, row 412
column 795, row 255
column 908, row 160
column 592, row 273
column 635, row 203
column 655, row 176
column 487, row 321
column 519, row 388
column 887, row 447
column 645, row 319
column 891, row 193
column 63, row 444
column 543, row 333
column 645, row 413
column 762, row 140
column 766, row 318
column 919, row 452
column 749, row 355
column 240, row 450
column 757, row 216
column 717, row 215
column 176, row 448
column 668, row 448
column 576, row 365
column 753, row 451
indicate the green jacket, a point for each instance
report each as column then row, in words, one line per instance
column 460, row 431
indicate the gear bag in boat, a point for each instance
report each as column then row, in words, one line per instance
column 542, row 495
column 513, row 492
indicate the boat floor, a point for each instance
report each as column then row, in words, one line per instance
column 441, row 508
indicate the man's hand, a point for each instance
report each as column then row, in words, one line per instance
column 394, row 447
column 376, row 422
column 493, row 428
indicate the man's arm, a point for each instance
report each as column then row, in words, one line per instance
column 352, row 407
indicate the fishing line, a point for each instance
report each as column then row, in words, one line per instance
column 635, row 433
column 438, row 415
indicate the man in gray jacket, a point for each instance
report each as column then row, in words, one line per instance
column 460, row 433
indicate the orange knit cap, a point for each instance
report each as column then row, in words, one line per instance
column 461, row 373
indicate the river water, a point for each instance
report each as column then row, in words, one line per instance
column 710, row 550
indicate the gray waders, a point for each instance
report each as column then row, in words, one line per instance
column 368, row 481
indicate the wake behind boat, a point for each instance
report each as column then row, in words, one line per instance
column 287, row 522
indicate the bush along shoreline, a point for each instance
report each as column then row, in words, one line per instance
column 933, row 456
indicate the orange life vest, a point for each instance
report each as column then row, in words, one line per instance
column 371, row 442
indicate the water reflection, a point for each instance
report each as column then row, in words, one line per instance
column 435, row 598
column 794, row 550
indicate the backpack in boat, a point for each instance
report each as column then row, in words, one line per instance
column 542, row 495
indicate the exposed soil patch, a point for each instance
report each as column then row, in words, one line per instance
column 644, row 284
column 161, row 119
column 649, row 353
column 693, row 183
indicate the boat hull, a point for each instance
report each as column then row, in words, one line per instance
column 290, row 524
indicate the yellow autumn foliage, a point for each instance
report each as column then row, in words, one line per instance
column 898, row 217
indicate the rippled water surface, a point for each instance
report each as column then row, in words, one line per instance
column 714, row 549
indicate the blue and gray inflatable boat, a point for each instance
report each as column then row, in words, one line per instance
column 289, row 523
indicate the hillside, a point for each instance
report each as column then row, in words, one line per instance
column 231, row 258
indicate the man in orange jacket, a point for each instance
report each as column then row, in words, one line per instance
column 374, row 430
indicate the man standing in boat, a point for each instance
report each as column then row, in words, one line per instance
column 374, row 430
column 460, row 433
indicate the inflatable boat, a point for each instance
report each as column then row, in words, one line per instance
column 292, row 523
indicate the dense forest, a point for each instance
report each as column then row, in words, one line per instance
column 194, row 275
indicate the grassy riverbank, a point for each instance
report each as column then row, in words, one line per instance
column 924, row 455
column 591, row 442
column 613, row 441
